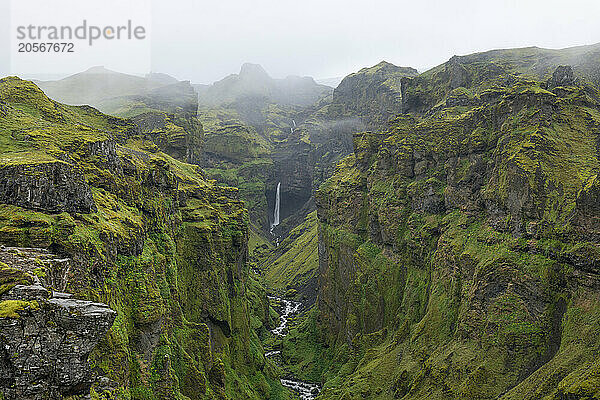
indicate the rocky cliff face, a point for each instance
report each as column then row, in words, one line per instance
column 162, row 246
column 458, row 250
column 53, row 186
column 46, row 337
column 374, row 93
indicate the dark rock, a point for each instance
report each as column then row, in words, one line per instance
column 47, row 186
column 457, row 73
column 373, row 93
column 55, row 269
column 45, row 343
column 562, row 76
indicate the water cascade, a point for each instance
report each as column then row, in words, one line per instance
column 276, row 213
column 290, row 308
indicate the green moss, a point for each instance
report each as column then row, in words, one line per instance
column 11, row 308
column 296, row 260
column 166, row 249
column 9, row 277
column 465, row 299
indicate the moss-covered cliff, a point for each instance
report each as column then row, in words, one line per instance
column 459, row 249
column 148, row 235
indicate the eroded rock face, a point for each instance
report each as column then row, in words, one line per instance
column 179, row 135
column 436, row 231
column 45, row 340
column 562, row 76
column 54, row 187
column 373, row 93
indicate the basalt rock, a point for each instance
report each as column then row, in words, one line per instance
column 457, row 249
column 45, row 339
column 562, row 76
column 373, row 93
column 49, row 186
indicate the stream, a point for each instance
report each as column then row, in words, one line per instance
column 306, row 391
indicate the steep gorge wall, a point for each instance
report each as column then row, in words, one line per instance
column 163, row 247
column 458, row 251
column 46, row 336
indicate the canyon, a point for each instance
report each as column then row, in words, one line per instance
column 405, row 235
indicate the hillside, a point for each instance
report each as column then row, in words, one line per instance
column 293, row 264
column 163, row 108
column 146, row 234
column 98, row 84
column 431, row 87
column 255, row 139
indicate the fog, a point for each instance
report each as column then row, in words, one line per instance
column 204, row 41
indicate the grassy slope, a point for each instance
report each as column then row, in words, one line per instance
column 295, row 262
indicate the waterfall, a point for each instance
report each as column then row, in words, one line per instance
column 276, row 212
column 277, row 201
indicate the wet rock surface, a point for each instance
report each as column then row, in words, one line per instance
column 53, row 270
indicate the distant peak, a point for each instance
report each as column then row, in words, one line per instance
column 387, row 67
column 253, row 70
column 384, row 63
column 99, row 69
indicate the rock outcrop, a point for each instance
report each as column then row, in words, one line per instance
column 46, row 337
column 562, row 76
column 53, row 186
column 374, row 93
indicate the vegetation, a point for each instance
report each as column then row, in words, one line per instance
column 160, row 244
column 295, row 262
column 452, row 255
column 449, row 242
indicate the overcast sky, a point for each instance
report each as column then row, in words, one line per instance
column 204, row 41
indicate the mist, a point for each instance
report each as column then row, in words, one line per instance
column 334, row 38
column 205, row 41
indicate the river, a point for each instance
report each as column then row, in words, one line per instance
column 289, row 308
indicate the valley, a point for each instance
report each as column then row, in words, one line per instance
column 404, row 235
